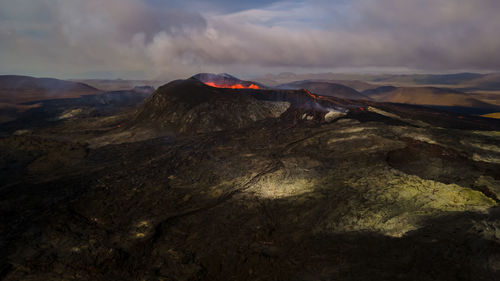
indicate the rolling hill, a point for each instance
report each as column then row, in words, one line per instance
column 15, row 89
column 463, row 81
column 325, row 89
column 119, row 84
column 285, row 78
column 426, row 96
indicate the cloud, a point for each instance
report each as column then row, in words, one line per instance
column 188, row 36
column 437, row 34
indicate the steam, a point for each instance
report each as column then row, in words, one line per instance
column 132, row 36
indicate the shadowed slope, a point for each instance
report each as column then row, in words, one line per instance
column 326, row 89
column 191, row 106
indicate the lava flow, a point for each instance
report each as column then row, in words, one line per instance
column 235, row 86
column 311, row 94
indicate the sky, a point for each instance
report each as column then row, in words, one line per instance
column 169, row 39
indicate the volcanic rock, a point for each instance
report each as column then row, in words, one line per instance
column 381, row 192
column 191, row 106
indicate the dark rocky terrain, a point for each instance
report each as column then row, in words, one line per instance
column 191, row 106
column 203, row 183
column 46, row 113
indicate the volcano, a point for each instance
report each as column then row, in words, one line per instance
column 225, row 80
column 193, row 106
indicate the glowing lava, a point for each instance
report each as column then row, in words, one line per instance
column 235, row 86
column 311, row 94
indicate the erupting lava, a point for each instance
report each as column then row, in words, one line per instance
column 235, row 86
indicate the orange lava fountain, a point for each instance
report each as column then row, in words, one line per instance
column 235, row 86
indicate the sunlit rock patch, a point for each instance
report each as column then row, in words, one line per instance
column 489, row 146
column 486, row 158
column 333, row 114
column 141, row 229
column 393, row 203
column 495, row 134
column 397, row 117
column 70, row 113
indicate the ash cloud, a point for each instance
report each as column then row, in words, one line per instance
column 188, row 36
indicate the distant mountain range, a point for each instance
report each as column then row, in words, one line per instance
column 16, row 89
column 17, row 92
column 441, row 98
column 467, row 93
column 37, row 99
column 464, row 81
column 119, row 84
column 425, row 96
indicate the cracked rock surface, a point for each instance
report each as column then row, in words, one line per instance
column 365, row 197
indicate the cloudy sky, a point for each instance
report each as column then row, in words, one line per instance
column 175, row 38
